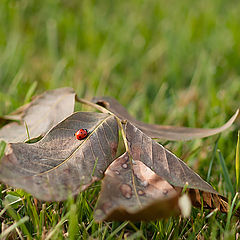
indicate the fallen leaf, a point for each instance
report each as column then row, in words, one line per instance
column 143, row 184
column 134, row 192
column 148, row 186
column 163, row 162
column 39, row 116
column 162, row 131
column 172, row 169
column 59, row 163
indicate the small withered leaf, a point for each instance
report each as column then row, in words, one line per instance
column 210, row 201
column 39, row 116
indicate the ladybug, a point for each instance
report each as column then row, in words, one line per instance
column 81, row 134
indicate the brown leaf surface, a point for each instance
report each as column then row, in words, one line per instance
column 161, row 131
column 173, row 170
column 40, row 115
column 162, row 161
column 134, row 192
column 59, row 163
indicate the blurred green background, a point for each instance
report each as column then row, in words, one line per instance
column 169, row 62
column 144, row 53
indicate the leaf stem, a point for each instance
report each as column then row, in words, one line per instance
column 94, row 105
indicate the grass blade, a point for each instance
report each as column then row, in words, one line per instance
column 28, row 135
column 118, row 229
column 226, row 174
column 213, row 157
column 2, row 148
column 12, row 227
column 56, row 228
column 73, row 229
column 30, row 92
column 231, row 211
column 237, row 163
column 17, row 217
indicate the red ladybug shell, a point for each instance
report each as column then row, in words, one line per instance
column 81, row 134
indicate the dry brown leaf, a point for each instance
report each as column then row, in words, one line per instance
column 173, row 170
column 147, row 187
column 143, row 184
column 162, row 131
column 59, row 163
column 162, row 161
column 40, row 115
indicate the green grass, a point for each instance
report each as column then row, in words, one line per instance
column 168, row 62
